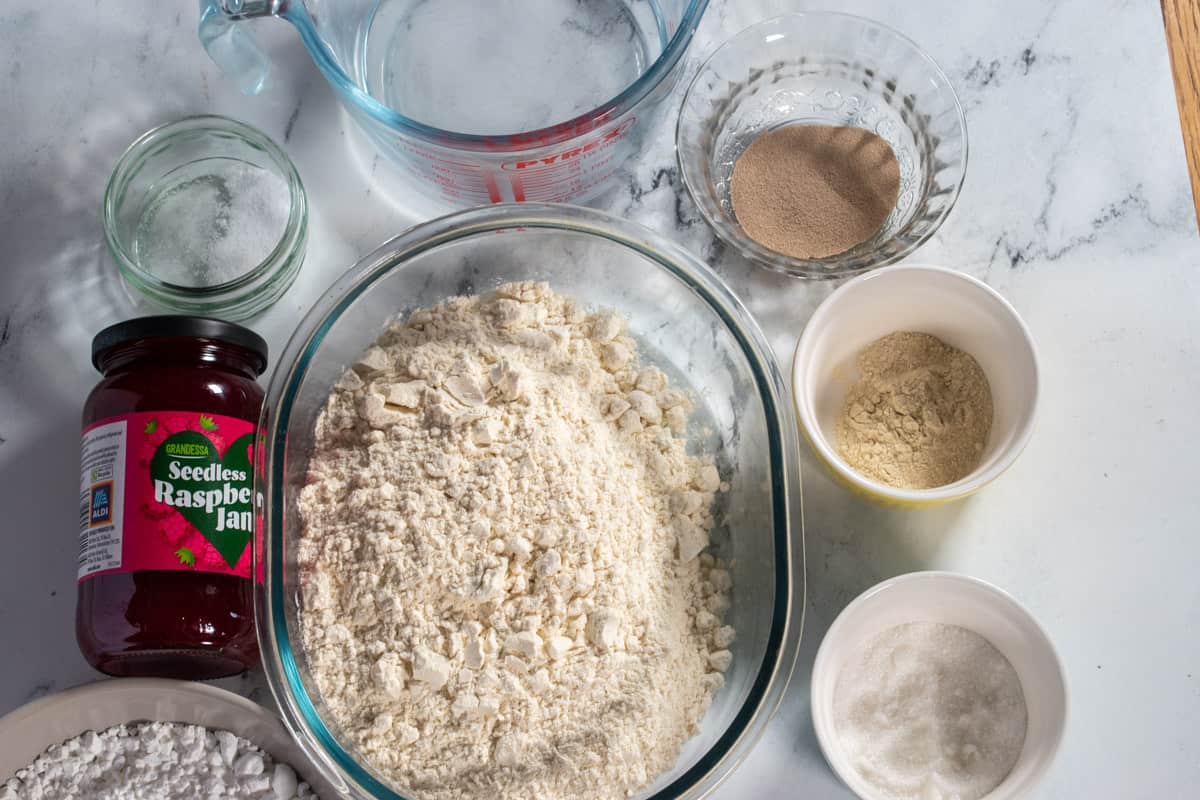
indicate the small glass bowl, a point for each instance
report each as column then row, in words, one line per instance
column 830, row 69
column 206, row 215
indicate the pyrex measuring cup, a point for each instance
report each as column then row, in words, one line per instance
column 482, row 102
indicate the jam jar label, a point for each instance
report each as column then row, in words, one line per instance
column 163, row 490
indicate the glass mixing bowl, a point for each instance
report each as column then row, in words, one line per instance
column 825, row 68
column 538, row 100
column 686, row 322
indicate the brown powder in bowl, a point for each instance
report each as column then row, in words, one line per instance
column 919, row 416
column 814, row 191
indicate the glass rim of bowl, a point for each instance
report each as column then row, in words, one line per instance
column 279, row 654
column 814, row 268
column 629, row 97
column 245, row 295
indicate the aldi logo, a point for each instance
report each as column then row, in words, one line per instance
column 101, row 509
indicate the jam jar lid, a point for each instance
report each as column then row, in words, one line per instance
column 179, row 327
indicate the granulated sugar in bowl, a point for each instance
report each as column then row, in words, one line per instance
column 926, row 710
column 937, row 685
column 543, row 364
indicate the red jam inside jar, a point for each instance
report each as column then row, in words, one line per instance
column 166, row 507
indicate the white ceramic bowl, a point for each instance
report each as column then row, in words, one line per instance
column 27, row 732
column 953, row 600
column 958, row 309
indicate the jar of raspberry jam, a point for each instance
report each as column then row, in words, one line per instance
column 165, row 499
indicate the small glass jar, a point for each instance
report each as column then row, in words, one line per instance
column 166, row 506
column 206, row 215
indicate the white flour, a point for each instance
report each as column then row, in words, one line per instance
column 156, row 761
column 504, row 594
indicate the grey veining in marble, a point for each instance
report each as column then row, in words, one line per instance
column 1076, row 206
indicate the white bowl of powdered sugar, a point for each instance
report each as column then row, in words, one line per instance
column 151, row 739
column 933, row 686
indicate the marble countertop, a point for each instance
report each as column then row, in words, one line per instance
column 1076, row 207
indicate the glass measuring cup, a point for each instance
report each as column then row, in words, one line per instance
column 482, row 103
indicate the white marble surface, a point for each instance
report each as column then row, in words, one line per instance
column 1076, row 206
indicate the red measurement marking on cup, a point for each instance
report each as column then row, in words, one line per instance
column 556, row 159
column 492, row 187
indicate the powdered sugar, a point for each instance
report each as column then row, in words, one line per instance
column 505, row 593
column 156, row 761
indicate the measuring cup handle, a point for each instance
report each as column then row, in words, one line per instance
column 232, row 48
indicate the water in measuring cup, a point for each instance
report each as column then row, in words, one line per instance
column 506, row 66
column 210, row 222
